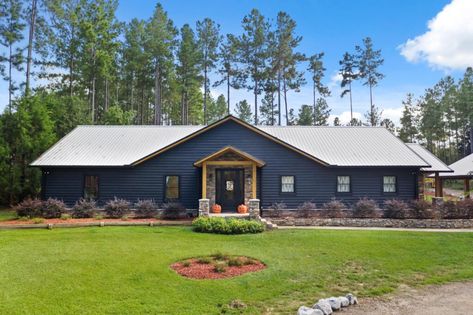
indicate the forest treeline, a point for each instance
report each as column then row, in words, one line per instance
column 71, row 62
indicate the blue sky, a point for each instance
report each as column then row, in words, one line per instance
column 335, row 27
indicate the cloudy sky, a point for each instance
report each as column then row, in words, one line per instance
column 421, row 41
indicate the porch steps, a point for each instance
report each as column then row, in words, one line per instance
column 269, row 225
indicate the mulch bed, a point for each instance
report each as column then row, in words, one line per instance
column 86, row 220
column 197, row 270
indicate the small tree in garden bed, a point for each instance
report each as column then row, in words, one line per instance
column 334, row 209
column 117, row 208
column 146, row 209
column 396, row 209
column 173, row 211
column 366, row 208
column 307, row 208
column 29, row 208
column 422, row 209
column 53, row 208
column 84, row 208
column 276, row 208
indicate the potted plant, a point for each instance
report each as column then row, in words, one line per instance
column 242, row 208
column 216, row 208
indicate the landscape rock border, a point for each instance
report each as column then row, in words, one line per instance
column 328, row 306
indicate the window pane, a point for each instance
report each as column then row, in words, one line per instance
column 343, row 183
column 287, row 183
column 91, row 187
column 389, row 184
column 172, row 187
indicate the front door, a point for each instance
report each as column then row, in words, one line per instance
column 229, row 188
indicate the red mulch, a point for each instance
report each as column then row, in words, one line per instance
column 198, row 270
column 86, row 220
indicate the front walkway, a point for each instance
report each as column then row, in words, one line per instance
column 281, row 227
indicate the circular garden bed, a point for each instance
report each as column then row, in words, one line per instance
column 217, row 266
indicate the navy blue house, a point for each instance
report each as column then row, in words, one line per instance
column 230, row 162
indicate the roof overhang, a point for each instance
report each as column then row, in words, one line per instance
column 228, row 149
column 220, row 122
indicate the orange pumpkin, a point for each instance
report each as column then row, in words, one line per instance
column 242, row 209
column 216, row 208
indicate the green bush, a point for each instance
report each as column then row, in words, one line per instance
column 223, row 226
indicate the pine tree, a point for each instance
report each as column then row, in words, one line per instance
column 11, row 35
column 216, row 109
column 291, row 118
column 388, row 124
column 160, row 44
column 369, row 60
column 208, row 33
column 306, row 116
column 188, row 69
column 322, row 112
column 286, row 59
column 348, row 72
column 228, row 69
column 243, row 111
column 408, row 129
column 374, row 116
column 317, row 70
column 252, row 52
column 336, row 121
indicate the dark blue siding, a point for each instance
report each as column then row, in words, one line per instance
column 314, row 182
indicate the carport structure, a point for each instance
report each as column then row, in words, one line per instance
column 462, row 170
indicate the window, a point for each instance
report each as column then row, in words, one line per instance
column 389, row 184
column 287, row 184
column 343, row 184
column 91, row 187
column 172, row 187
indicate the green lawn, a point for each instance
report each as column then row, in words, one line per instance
column 125, row 270
column 7, row 214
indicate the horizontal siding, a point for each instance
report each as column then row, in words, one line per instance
column 314, row 182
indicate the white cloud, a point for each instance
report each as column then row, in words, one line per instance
column 345, row 117
column 393, row 113
column 335, row 80
column 448, row 44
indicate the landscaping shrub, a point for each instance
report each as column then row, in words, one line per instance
column 236, row 262
column 449, row 210
column 278, row 206
column 223, row 226
column 334, row 209
column 117, row 208
column 396, row 209
column 173, row 211
column 306, row 208
column 146, row 209
column 65, row 216
column 422, row 209
column 84, row 209
column 465, row 208
column 220, row 266
column 37, row 220
column 365, row 208
column 53, row 208
column 29, row 208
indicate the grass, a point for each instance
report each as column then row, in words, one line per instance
column 119, row 270
column 7, row 214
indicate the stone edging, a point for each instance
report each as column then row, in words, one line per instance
column 386, row 223
column 91, row 224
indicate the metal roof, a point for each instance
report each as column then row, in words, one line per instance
column 348, row 146
column 111, row 145
column 462, row 168
column 125, row 145
column 436, row 165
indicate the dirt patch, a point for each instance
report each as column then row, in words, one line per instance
column 213, row 268
column 454, row 298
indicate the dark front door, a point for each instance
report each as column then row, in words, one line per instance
column 229, row 188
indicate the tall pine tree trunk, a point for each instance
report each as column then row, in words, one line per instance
column 228, row 94
column 471, row 138
column 205, row 93
column 256, row 102
column 10, row 83
column 30, row 46
column 373, row 122
column 285, row 101
column 107, row 95
column 279, row 98
column 351, row 104
column 157, row 97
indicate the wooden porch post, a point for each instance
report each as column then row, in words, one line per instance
column 253, row 182
column 204, row 180
column 467, row 188
column 438, row 186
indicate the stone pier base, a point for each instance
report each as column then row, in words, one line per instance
column 204, row 207
column 254, row 208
